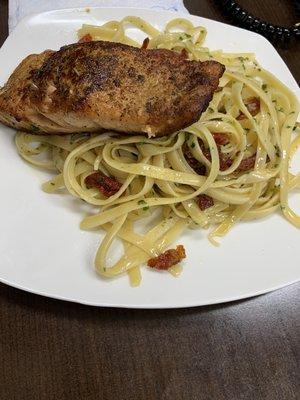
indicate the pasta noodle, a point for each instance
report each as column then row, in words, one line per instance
column 157, row 175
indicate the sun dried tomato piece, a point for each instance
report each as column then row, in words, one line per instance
column 106, row 185
column 224, row 159
column 247, row 163
column 204, row 201
column 168, row 258
column 253, row 106
column 221, row 138
column 199, row 168
column 205, row 151
column 145, row 43
column 85, row 39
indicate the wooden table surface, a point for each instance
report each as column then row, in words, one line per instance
column 247, row 350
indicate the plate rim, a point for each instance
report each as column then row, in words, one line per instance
column 22, row 23
column 152, row 306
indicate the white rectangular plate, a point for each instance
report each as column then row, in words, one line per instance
column 42, row 249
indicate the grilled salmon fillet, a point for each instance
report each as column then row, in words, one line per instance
column 88, row 87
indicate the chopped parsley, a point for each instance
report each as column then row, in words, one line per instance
column 34, row 128
column 264, row 86
column 143, row 202
column 193, row 145
column 277, row 151
column 184, row 36
column 187, row 135
column 242, row 60
column 210, row 109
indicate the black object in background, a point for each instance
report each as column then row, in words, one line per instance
column 244, row 19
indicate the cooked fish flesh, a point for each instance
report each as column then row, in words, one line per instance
column 89, row 87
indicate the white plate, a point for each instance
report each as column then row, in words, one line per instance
column 42, row 249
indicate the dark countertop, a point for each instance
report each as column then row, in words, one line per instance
column 245, row 350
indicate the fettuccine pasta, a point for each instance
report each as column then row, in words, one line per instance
column 231, row 166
